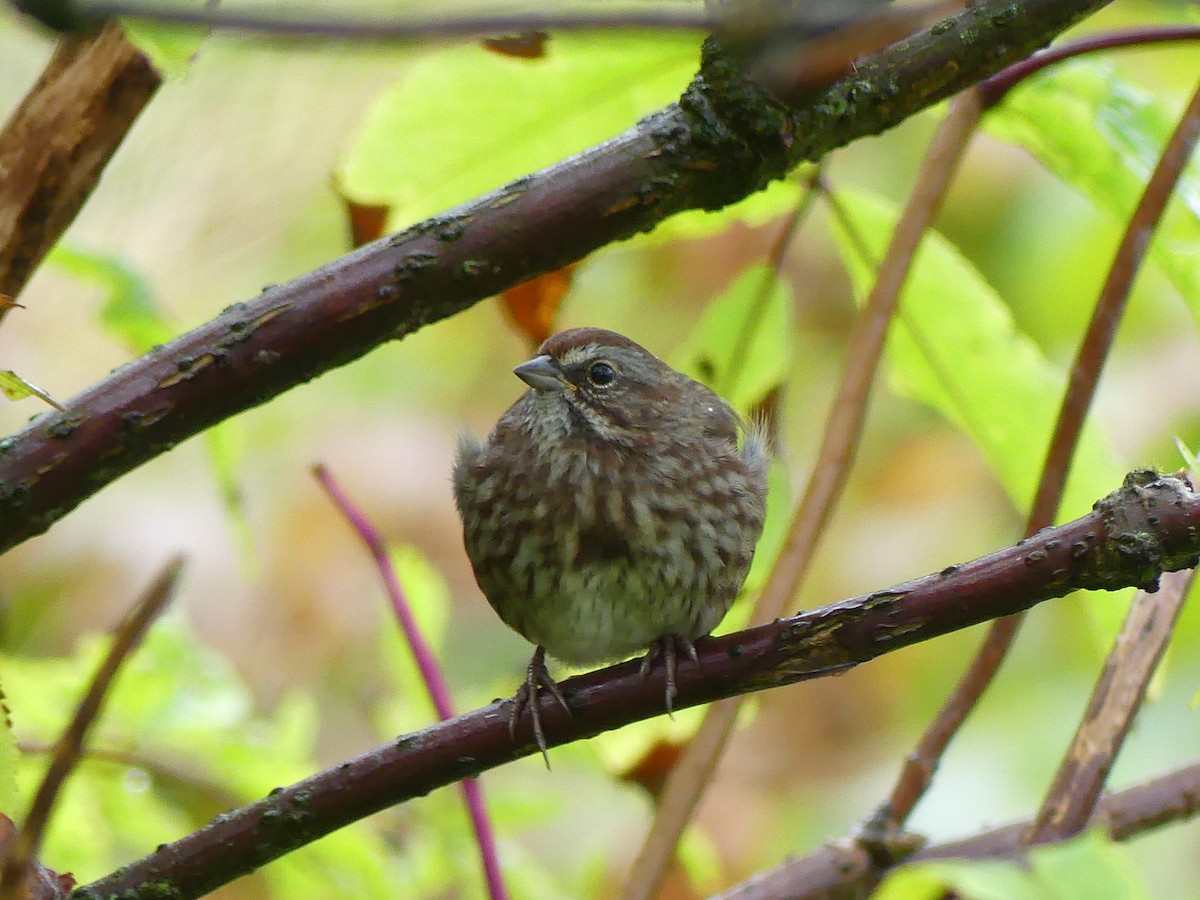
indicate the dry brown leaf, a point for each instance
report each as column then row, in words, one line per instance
column 533, row 305
column 524, row 45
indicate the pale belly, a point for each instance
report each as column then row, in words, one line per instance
column 603, row 620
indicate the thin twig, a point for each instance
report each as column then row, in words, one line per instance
column 919, row 766
column 749, row 326
column 301, row 23
column 993, row 89
column 842, row 434
column 1115, row 702
column 1151, row 524
column 66, row 752
column 721, row 141
column 845, row 868
column 178, row 773
column 431, row 672
column 749, row 23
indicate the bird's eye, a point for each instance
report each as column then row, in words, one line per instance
column 601, row 373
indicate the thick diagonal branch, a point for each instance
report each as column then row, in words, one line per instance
column 58, row 141
column 1148, row 526
column 723, row 140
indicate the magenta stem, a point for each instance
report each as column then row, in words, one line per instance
column 430, row 672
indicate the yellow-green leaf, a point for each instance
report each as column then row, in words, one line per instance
column 14, row 387
column 1102, row 134
column 463, row 120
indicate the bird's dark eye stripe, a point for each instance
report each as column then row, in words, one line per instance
column 601, row 373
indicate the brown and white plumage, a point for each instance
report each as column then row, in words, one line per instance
column 611, row 509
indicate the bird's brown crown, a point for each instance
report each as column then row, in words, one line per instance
column 559, row 344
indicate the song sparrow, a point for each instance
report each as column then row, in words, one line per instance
column 611, row 509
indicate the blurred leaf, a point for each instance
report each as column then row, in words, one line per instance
column 1102, row 134
column 170, row 48
column 131, row 314
column 969, row 880
column 1090, row 867
column 533, row 305
column 622, row 750
column 780, row 198
column 743, row 344
column 651, row 769
column 742, row 348
column 701, row 858
column 8, row 762
column 518, row 115
column 175, row 700
column 368, row 221
column 408, row 706
column 14, row 387
column 955, row 348
column 129, row 311
column 525, row 45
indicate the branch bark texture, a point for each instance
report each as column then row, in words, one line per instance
column 58, row 141
column 723, row 140
column 1148, row 526
column 844, row 870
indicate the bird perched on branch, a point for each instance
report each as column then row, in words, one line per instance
column 611, row 511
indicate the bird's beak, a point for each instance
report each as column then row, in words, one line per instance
column 541, row 374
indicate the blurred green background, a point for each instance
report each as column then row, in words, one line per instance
column 280, row 655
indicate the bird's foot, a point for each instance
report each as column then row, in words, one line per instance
column 668, row 647
column 536, row 678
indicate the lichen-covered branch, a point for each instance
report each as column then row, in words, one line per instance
column 1148, row 526
column 723, row 140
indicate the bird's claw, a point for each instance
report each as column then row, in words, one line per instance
column 537, row 677
column 668, row 647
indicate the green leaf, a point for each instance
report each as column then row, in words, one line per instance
column 970, row 880
column 8, row 762
column 743, row 347
column 185, row 743
column 1090, row 867
column 131, row 314
column 955, row 348
column 778, row 199
column 1102, row 134
column 14, row 387
column 463, row 120
column 170, row 48
column 129, row 311
column 409, row 706
column 743, row 344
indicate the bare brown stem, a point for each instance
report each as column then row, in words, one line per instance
column 845, row 868
column 1115, row 701
column 724, row 139
column 1149, row 525
column 58, row 141
column 177, row 773
column 70, row 745
column 918, row 769
column 753, row 321
column 427, row 665
column 994, row 89
column 843, row 431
